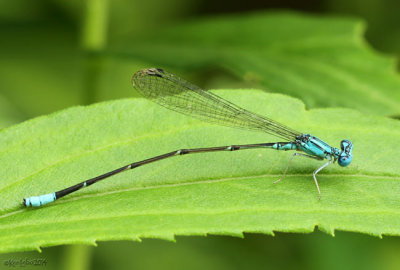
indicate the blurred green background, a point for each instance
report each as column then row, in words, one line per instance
column 53, row 55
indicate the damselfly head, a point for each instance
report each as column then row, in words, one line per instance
column 346, row 156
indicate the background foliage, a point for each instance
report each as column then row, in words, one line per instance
column 55, row 54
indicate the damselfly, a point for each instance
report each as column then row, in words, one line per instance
column 179, row 95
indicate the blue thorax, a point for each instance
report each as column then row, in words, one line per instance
column 317, row 147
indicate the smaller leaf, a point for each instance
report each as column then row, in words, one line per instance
column 325, row 61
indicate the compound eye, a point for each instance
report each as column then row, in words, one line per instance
column 344, row 161
column 345, row 144
column 346, row 155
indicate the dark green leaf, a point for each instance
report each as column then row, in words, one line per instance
column 325, row 61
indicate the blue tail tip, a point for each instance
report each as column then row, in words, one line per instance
column 37, row 201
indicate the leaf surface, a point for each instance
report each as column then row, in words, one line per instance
column 225, row 193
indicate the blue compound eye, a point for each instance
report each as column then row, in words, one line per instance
column 346, row 146
column 346, row 156
column 345, row 160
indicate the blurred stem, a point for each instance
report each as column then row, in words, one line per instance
column 95, row 25
column 92, row 73
column 94, row 41
column 76, row 257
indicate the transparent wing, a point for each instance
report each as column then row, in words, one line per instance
column 179, row 95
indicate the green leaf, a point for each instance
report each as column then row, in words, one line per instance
column 223, row 193
column 324, row 61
